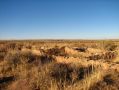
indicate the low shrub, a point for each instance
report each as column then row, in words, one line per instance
column 110, row 46
column 14, row 58
column 55, row 51
column 68, row 73
column 109, row 82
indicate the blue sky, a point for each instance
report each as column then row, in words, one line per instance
column 59, row 19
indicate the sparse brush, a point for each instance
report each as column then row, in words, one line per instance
column 107, row 56
column 56, row 51
column 15, row 58
column 44, row 59
column 108, row 82
column 2, row 55
column 69, row 74
column 110, row 46
column 11, row 45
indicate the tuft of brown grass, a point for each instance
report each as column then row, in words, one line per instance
column 108, row 82
column 109, row 45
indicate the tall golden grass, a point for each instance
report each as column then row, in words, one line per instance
column 59, row 65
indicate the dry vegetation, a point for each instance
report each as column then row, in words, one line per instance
column 59, row 65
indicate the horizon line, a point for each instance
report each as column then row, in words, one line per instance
column 60, row 39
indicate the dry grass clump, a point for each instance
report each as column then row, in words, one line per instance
column 110, row 55
column 109, row 46
column 56, row 51
column 46, row 59
column 2, row 55
column 17, row 57
column 14, row 59
column 65, row 71
column 89, row 80
column 107, row 56
column 3, row 51
column 19, row 85
column 3, row 48
column 109, row 82
column 19, row 46
column 11, row 45
column 67, row 75
column 28, row 46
